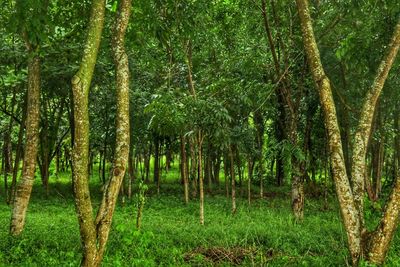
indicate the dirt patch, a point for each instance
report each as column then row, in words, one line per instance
column 234, row 255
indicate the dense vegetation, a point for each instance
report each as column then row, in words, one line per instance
column 199, row 132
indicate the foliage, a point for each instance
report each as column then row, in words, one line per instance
column 171, row 230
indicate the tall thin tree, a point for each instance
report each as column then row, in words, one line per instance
column 373, row 246
column 94, row 232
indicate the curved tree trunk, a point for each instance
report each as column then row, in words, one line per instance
column 80, row 153
column 373, row 246
column 343, row 190
column 364, row 125
column 94, row 233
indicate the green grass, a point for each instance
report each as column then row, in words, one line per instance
column 171, row 234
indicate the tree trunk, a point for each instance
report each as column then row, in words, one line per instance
column 94, row 233
column 104, row 163
column 343, row 190
column 44, row 163
column 226, row 175
column 379, row 241
column 216, row 168
column 200, row 174
column 156, row 174
column 232, row 174
column 208, row 170
column 146, row 159
column 250, row 165
column 7, row 158
column 80, row 153
column 297, row 177
column 363, row 131
column 122, row 142
column 18, row 155
column 375, row 245
column 260, row 128
column 183, row 169
column 131, row 171
column 24, row 189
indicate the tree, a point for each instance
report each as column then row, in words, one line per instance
column 24, row 188
column 373, row 246
column 94, row 233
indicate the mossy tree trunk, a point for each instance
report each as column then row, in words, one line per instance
column 24, row 188
column 373, row 246
column 94, row 233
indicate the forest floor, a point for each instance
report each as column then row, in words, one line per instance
column 262, row 234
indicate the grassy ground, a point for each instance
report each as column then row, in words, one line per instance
column 262, row 234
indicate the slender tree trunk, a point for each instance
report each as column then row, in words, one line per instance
column 363, row 131
column 226, row 174
column 183, row 169
column 104, row 163
column 80, row 153
column 250, row 165
column 375, row 245
column 7, row 165
column 58, row 164
column 343, row 190
column 100, row 166
column 7, row 147
column 18, row 155
column 285, row 95
column 146, row 159
column 208, row 168
column 233, row 180
column 24, row 188
column 200, row 173
column 259, row 123
column 131, row 171
column 94, row 233
column 297, row 177
column 156, row 160
column 107, row 206
column 216, row 168
column 44, row 145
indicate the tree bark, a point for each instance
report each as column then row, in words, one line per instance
column 200, row 174
column 80, row 153
column 131, row 170
column 373, row 246
column 184, row 169
column 156, row 170
column 233, row 180
column 250, row 165
column 24, row 188
column 343, row 190
column 285, row 96
column 364, row 125
column 110, row 196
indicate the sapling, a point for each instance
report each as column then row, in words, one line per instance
column 140, row 203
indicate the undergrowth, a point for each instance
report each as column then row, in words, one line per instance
column 262, row 234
